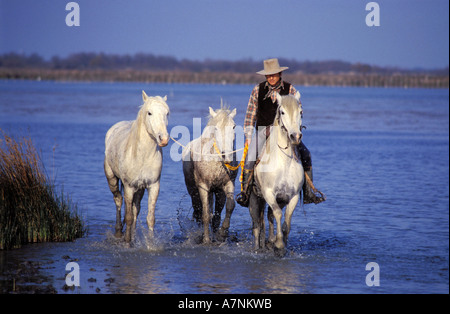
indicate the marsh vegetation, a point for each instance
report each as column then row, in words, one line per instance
column 31, row 210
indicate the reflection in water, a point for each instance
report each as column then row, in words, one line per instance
column 138, row 273
column 285, row 277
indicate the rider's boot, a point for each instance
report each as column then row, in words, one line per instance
column 243, row 198
column 310, row 193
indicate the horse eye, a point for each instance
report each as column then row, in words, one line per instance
column 149, row 113
column 282, row 112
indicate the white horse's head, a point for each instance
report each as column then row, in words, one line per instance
column 290, row 114
column 154, row 116
column 223, row 126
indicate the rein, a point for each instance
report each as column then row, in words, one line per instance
column 232, row 168
column 184, row 146
column 285, row 132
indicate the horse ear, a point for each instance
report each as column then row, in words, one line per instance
column 211, row 112
column 165, row 98
column 144, row 96
column 297, row 95
column 233, row 113
column 279, row 99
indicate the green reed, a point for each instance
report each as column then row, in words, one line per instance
column 30, row 209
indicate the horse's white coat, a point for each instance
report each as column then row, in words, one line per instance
column 279, row 175
column 133, row 155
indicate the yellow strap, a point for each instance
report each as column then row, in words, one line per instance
column 244, row 156
column 233, row 168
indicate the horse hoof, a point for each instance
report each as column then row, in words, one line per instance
column 207, row 242
column 280, row 252
column 118, row 234
column 128, row 245
column 270, row 245
column 222, row 235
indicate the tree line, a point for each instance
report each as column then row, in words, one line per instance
column 151, row 62
column 165, row 69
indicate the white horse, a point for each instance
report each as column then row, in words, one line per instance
column 133, row 155
column 279, row 176
column 206, row 174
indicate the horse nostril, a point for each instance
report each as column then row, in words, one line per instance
column 163, row 140
column 295, row 137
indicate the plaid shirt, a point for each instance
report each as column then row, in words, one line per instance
column 252, row 108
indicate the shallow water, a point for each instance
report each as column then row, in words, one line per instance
column 380, row 156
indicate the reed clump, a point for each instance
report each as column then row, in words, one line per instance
column 30, row 209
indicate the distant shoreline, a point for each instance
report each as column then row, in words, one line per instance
column 404, row 80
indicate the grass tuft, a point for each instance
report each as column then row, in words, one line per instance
column 30, row 209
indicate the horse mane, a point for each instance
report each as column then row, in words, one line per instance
column 289, row 103
column 135, row 130
column 220, row 115
column 138, row 124
column 277, row 117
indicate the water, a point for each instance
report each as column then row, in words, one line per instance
column 380, row 156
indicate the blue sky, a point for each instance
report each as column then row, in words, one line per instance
column 412, row 33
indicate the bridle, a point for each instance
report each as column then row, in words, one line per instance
column 283, row 128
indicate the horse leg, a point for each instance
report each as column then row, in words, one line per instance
column 118, row 199
column 220, row 199
column 254, row 213
column 270, row 218
column 137, row 206
column 192, row 188
column 256, row 209
column 279, row 243
column 262, row 235
column 113, row 183
column 129, row 194
column 230, row 204
column 288, row 215
column 153, row 192
column 196, row 205
column 206, row 217
column 277, row 213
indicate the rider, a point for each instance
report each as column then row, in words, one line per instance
column 261, row 111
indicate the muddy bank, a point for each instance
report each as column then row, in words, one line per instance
column 23, row 277
column 29, row 276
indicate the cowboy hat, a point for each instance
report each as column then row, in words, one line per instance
column 271, row 66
